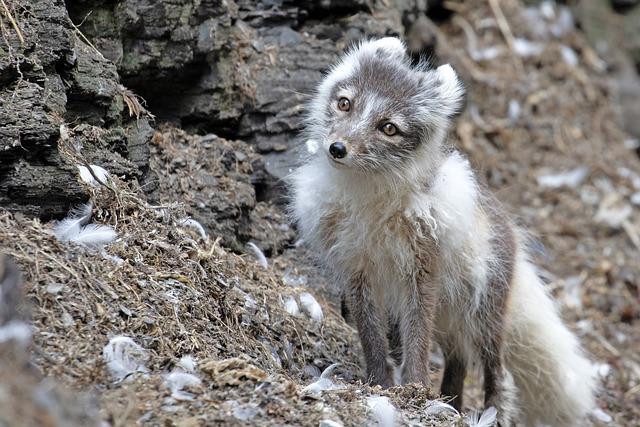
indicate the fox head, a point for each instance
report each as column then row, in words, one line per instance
column 374, row 111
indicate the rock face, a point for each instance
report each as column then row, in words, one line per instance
column 239, row 69
column 49, row 77
column 212, row 177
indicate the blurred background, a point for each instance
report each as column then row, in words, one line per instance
column 193, row 109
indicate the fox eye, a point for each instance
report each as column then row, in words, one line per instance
column 389, row 129
column 344, row 104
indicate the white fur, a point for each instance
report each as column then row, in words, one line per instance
column 548, row 370
column 450, row 87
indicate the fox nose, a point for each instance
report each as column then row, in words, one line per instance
column 338, row 150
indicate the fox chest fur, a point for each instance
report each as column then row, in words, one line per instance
column 386, row 244
column 391, row 236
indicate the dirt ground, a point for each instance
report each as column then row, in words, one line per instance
column 540, row 128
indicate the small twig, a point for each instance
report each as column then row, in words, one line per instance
column 13, row 21
column 84, row 19
column 86, row 40
column 505, row 29
column 631, row 232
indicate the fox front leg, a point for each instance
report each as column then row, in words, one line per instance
column 417, row 329
column 372, row 326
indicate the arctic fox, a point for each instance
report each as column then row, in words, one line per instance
column 421, row 251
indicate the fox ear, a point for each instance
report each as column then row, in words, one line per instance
column 449, row 88
column 389, row 47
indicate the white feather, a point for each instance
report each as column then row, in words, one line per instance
column 192, row 223
column 383, row 413
column 291, row 306
column 324, row 382
column 257, row 252
column 113, row 258
column 124, row 357
column 187, row 364
column 571, row 179
column 98, row 171
column 177, row 381
column 311, row 306
column 329, row 423
column 70, row 226
column 486, row 419
column 601, row 416
column 435, row 407
column 94, row 236
column 527, row 48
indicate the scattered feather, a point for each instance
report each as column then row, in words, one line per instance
column 187, row 364
column 94, row 236
column 571, row 179
column 99, row 172
column 547, row 19
column 631, row 144
column 485, row 54
column 435, row 407
column 54, row 288
column 124, row 357
column 323, row 383
column 526, row 48
column 601, row 416
column 192, row 223
column 113, row 258
column 486, row 419
column 569, row 56
column 70, row 226
column 602, row 369
column 383, row 413
column 547, row 10
column 329, row 423
column 613, row 211
column 632, row 176
column 563, row 23
column 75, row 228
column 513, row 111
column 291, row 306
column 311, row 306
column 255, row 250
column 572, row 287
column 177, row 381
